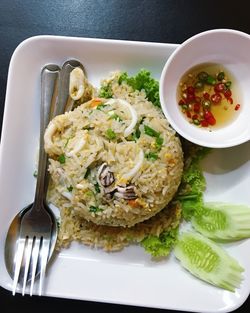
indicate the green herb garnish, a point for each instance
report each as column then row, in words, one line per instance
column 159, row 142
column 151, row 156
column 162, row 245
column 70, row 188
column 143, row 81
column 100, row 107
column 151, row 132
column 61, row 158
column 97, row 188
column 110, row 134
column 95, row 209
column 115, row 116
column 87, row 173
column 106, row 91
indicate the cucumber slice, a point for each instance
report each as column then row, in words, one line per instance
column 207, row 261
column 223, row 221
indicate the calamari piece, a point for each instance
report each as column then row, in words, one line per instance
column 76, row 83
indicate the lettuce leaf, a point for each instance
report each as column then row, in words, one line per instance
column 193, row 185
column 162, row 245
column 143, row 80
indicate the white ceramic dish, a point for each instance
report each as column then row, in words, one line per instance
column 130, row 276
column 229, row 48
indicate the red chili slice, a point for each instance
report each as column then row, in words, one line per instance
column 188, row 114
column 181, row 102
column 219, row 87
column 211, row 120
column 230, row 100
column 237, row 107
column 206, row 95
column 190, row 90
column 190, row 97
column 207, row 115
column 197, row 107
column 195, row 117
column 227, row 93
column 216, row 98
column 204, row 123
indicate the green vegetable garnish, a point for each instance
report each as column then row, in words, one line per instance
column 199, row 85
column 66, row 143
column 106, row 91
column 202, row 76
column 87, row 173
column 207, row 261
column 162, row 245
column 70, row 188
column 150, row 131
column 221, row 76
column 223, row 221
column 190, row 193
column 35, row 173
column 110, row 134
column 143, row 80
column 159, row 142
column 228, row 84
column 95, row 209
column 151, row 156
column 97, row 188
column 114, row 116
column 100, row 107
column 61, row 158
column 211, row 80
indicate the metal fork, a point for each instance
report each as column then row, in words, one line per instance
column 38, row 224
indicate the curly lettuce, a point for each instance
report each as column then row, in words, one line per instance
column 162, row 245
column 143, row 81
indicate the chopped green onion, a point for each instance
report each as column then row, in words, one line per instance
column 211, row 80
column 70, row 188
column 61, row 158
column 114, row 116
column 110, row 134
column 100, row 107
column 151, row 156
column 202, row 76
column 97, row 188
column 150, row 131
column 221, row 76
column 198, row 85
column 66, row 143
column 228, row 84
column 95, row 209
column 35, row 173
column 87, row 173
column 159, row 142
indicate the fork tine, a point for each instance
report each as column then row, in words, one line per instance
column 28, row 251
column 44, row 258
column 18, row 262
column 34, row 257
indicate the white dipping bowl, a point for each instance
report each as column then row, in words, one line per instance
column 226, row 47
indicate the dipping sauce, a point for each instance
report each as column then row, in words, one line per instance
column 207, row 96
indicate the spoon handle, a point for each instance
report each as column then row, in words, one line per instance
column 65, row 102
column 49, row 81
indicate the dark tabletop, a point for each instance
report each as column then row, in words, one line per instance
column 168, row 21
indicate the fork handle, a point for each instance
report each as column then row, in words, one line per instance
column 49, row 81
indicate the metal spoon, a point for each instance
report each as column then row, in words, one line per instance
column 64, row 97
column 49, row 82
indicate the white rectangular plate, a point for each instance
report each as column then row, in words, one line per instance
column 130, row 276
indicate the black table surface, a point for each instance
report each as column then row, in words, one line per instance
column 167, row 21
